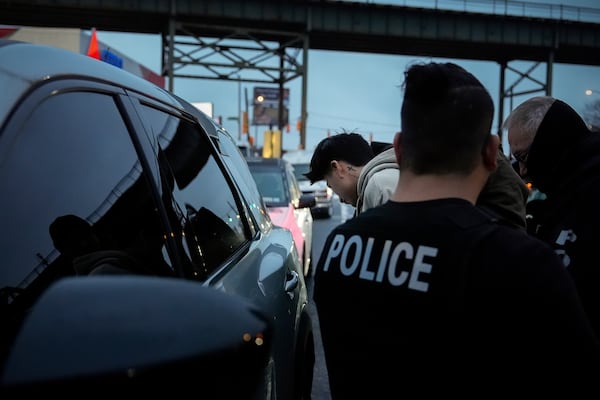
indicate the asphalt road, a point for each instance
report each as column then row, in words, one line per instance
column 321, row 228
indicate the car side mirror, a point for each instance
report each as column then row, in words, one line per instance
column 307, row 201
column 142, row 333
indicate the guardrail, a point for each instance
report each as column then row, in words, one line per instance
column 503, row 7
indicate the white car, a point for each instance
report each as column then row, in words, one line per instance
column 323, row 194
column 346, row 211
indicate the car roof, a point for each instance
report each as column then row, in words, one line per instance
column 268, row 162
column 298, row 156
column 24, row 65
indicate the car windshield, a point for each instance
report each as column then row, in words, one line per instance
column 300, row 170
column 271, row 187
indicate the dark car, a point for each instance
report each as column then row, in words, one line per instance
column 288, row 206
column 136, row 249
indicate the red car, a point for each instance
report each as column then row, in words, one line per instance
column 287, row 206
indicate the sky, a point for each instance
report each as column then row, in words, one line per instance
column 352, row 91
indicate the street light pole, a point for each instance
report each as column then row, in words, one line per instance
column 592, row 112
column 239, row 121
column 253, row 141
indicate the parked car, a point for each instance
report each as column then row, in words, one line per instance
column 288, row 206
column 323, row 194
column 346, row 210
column 136, row 249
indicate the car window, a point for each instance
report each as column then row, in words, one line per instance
column 271, row 185
column 238, row 168
column 300, row 169
column 293, row 183
column 73, row 196
column 208, row 213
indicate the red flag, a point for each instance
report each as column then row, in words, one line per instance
column 93, row 49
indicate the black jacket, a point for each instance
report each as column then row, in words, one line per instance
column 564, row 163
column 434, row 295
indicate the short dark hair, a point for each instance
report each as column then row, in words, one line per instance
column 446, row 118
column 350, row 147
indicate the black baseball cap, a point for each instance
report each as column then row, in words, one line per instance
column 349, row 147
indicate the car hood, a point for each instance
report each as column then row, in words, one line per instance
column 286, row 218
column 282, row 216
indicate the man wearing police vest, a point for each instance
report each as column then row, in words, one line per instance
column 429, row 294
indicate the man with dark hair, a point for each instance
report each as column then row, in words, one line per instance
column 354, row 171
column 365, row 175
column 427, row 292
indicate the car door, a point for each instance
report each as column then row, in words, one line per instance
column 68, row 159
column 222, row 244
column 303, row 216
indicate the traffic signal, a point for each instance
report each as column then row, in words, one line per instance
column 299, row 124
column 245, row 122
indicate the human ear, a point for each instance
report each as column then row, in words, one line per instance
column 489, row 152
column 335, row 166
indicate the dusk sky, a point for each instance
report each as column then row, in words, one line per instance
column 351, row 91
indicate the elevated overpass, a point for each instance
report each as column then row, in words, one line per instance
column 268, row 40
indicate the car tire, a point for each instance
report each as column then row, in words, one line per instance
column 305, row 361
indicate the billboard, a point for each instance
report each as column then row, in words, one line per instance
column 266, row 106
column 205, row 106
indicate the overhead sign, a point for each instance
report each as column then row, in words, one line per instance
column 270, row 96
column 266, row 106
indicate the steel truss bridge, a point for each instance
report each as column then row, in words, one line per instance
column 267, row 41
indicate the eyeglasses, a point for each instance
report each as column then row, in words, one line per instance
column 522, row 156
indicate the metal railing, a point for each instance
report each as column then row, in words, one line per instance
column 503, row 7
